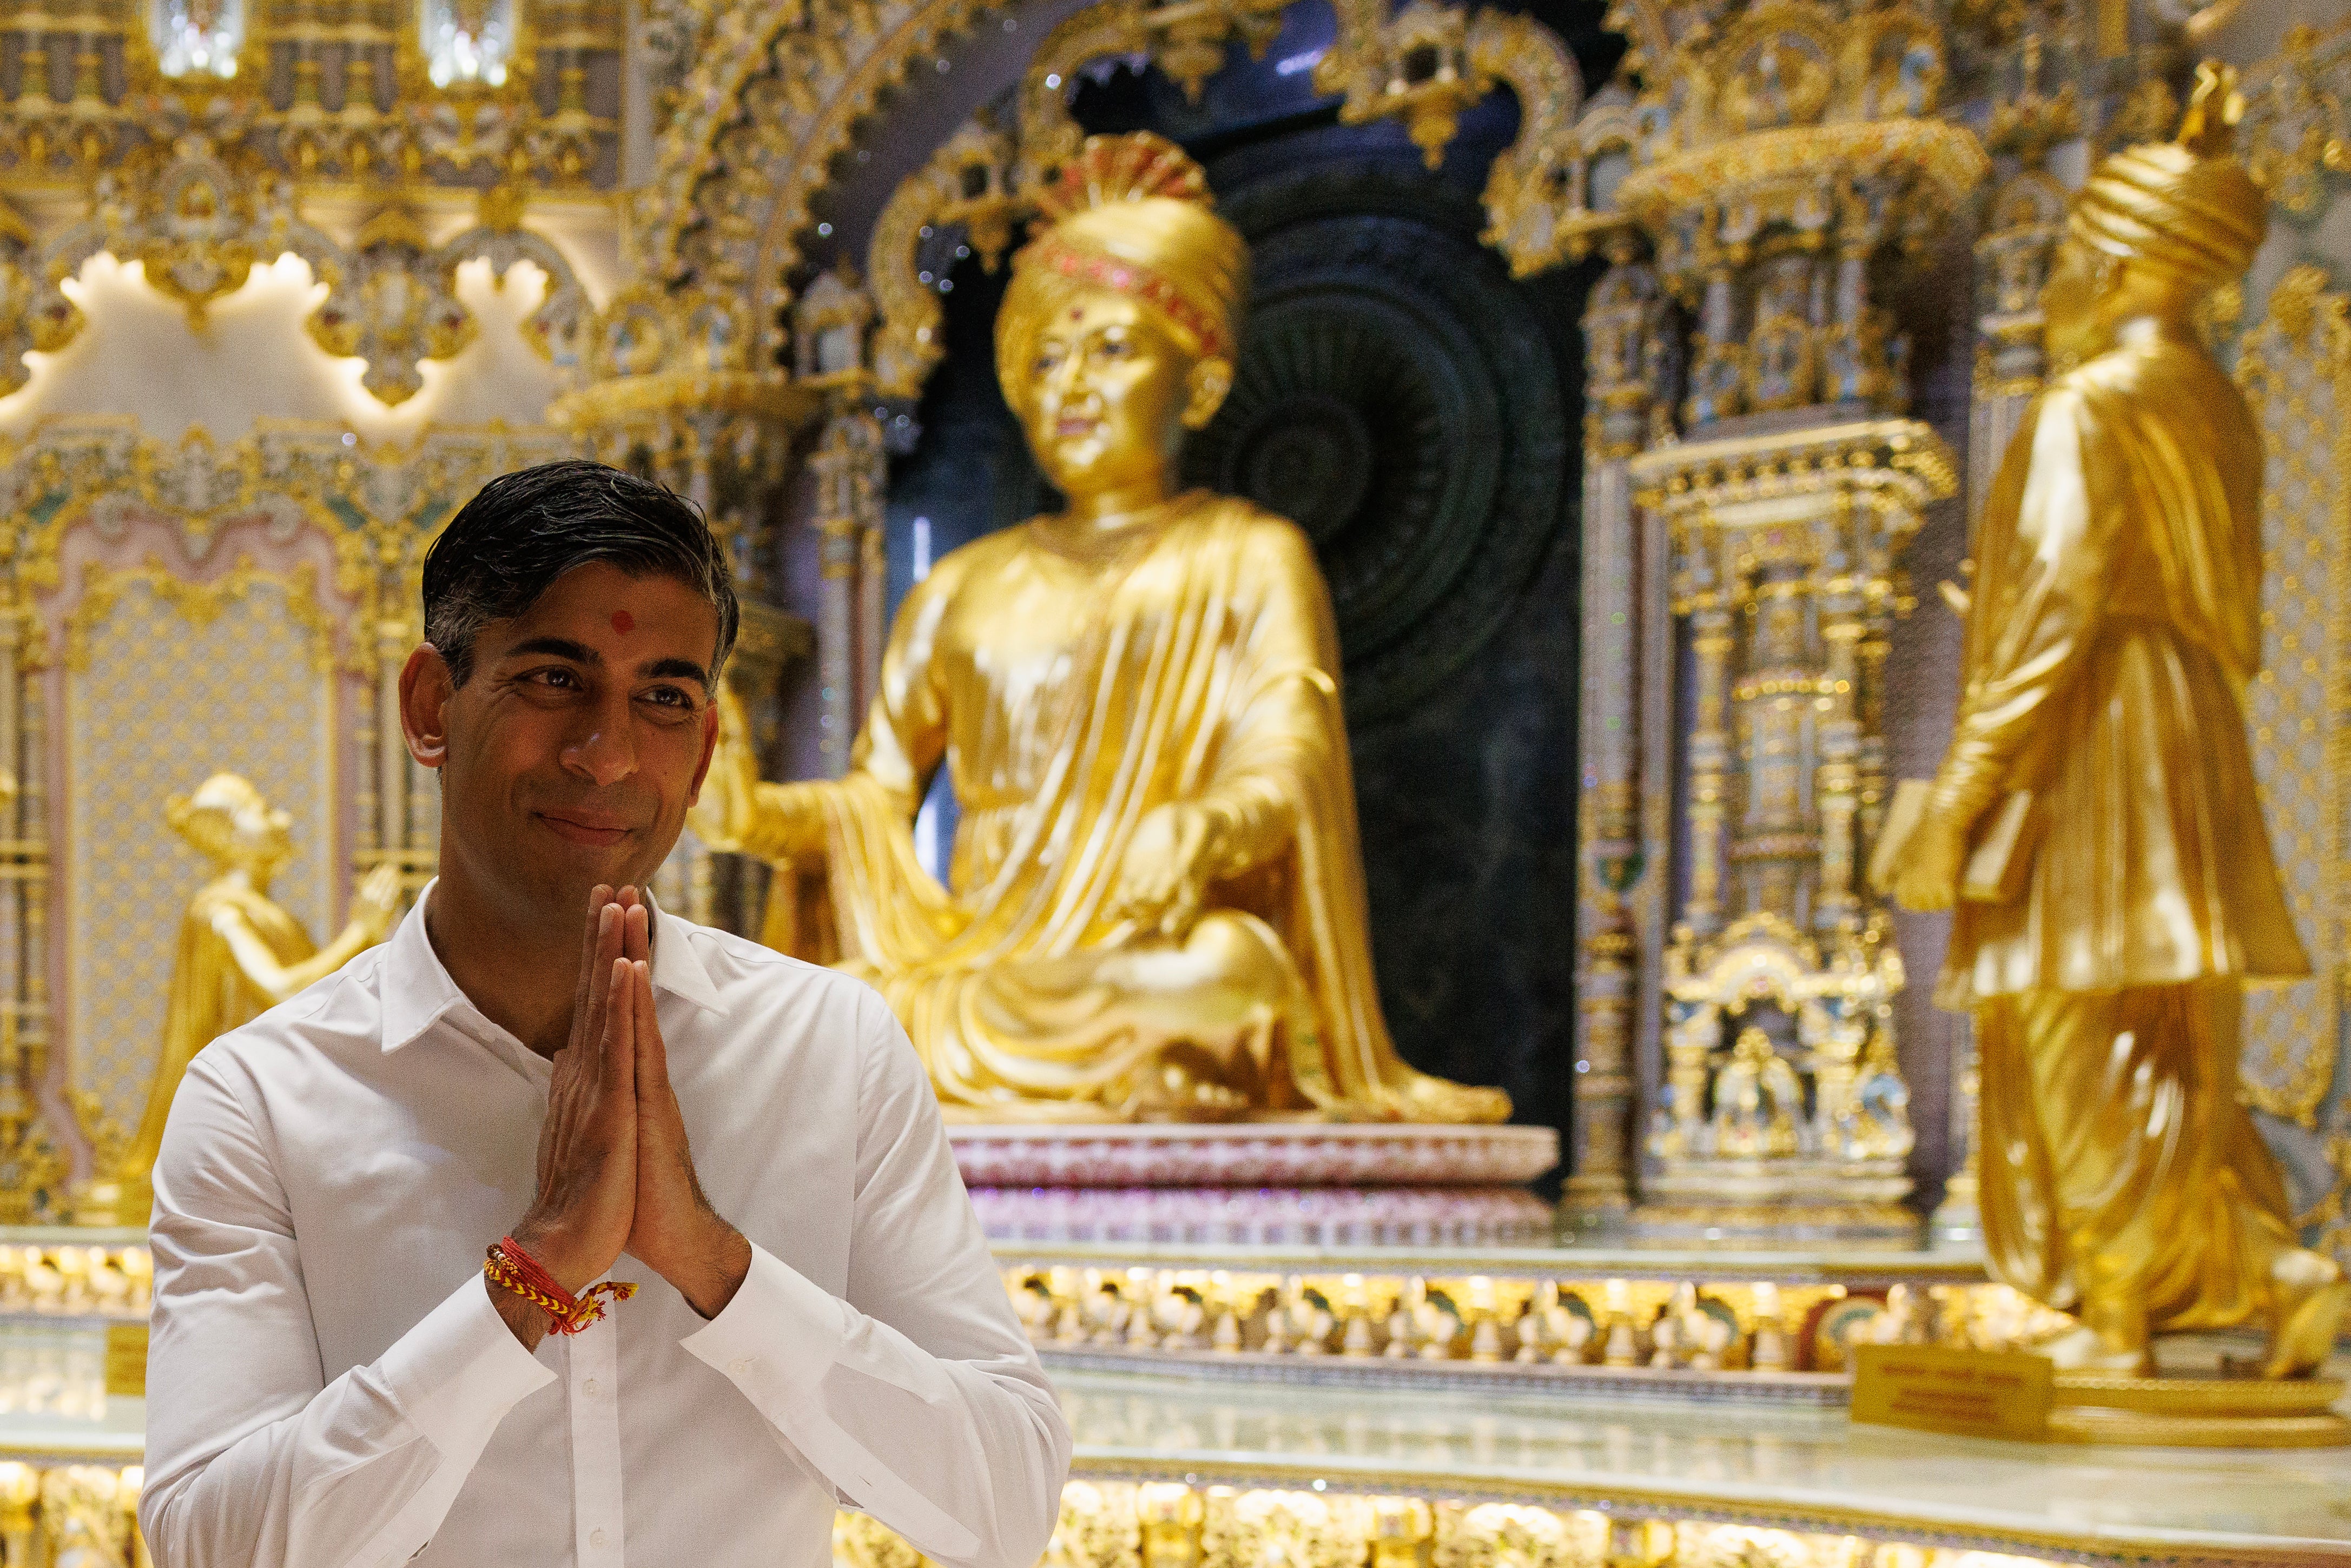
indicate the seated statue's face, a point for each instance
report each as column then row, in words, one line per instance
column 1106, row 395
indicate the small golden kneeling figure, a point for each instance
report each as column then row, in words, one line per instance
column 240, row 953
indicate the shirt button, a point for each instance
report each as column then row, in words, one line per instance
column 590, row 1385
column 596, row 1538
column 739, row 1367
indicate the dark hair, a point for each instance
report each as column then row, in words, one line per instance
column 526, row 529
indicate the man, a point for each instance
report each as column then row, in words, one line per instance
column 749, row 1140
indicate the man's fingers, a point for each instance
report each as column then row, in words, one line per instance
column 652, row 1052
column 598, row 897
column 588, row 1026
column 618, row 1035
column 636, row 933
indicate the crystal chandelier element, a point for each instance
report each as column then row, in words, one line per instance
column 467, row 40
column 198, row 38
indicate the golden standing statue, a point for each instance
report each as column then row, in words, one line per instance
column 1155, row 906
column 240, row 954
column 2114, row 627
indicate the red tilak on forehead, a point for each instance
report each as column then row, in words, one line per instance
column 623, row 623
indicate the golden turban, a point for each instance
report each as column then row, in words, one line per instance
column 2185, row 206
column 1132, row 214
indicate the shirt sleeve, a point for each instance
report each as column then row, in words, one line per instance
column 254, row 1460
column 918, row 1398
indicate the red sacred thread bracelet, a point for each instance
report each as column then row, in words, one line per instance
column 519, row 1272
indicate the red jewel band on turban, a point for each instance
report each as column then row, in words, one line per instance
column 1132, row 277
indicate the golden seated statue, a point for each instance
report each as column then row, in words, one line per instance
column 1155, row 906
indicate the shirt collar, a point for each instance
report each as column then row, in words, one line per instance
column 418, row 991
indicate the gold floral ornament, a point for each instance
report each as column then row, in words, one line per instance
column 392, row 304
column 34, row 313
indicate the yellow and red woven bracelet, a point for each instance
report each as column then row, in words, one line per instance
column 517, row 1270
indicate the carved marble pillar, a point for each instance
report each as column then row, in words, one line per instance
column 31, row 1167
column 850, row 469
column 1622, row 323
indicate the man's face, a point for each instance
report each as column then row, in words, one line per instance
column 571, row 753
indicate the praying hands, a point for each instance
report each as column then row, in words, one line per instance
column 615, row 1171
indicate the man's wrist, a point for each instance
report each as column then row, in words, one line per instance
column 712, row 1267
column 548, row 1249
column 528, row 1320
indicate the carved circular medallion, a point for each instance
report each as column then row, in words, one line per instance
column 1396, row 396
column 1309, row 458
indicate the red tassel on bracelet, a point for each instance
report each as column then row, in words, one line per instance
column 517, row 1270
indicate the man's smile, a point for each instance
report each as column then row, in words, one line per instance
column 599, row 829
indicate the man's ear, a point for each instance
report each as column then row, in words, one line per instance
column 425, row 689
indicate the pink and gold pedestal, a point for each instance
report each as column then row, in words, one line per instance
column 1258, row 1183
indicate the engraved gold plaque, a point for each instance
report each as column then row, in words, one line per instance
column 1969, row 1393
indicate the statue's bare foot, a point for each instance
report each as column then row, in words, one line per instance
column 1174, row 1088
column 2312, row 1298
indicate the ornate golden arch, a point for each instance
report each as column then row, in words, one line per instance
column 779, row 89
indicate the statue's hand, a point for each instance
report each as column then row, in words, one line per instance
column 1165, row 871
column 375, row 906
column 1928, row 876
column 725, row 812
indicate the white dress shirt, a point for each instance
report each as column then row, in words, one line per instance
column 328, row 1383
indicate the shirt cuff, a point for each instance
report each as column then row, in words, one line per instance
column 782, row 1333
column 455, row 1374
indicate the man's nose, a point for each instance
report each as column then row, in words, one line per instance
column 604, row 750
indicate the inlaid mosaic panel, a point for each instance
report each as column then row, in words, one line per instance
column 2295, row 367
column 166, row 684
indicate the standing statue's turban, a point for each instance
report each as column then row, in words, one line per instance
column 2185, row 206
column 1132, row 214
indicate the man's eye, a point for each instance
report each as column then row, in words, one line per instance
column 554, row 677
column 670, row 696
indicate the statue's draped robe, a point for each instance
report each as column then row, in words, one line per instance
column 1071, row 686
column 210, row 994
column 2116, row 624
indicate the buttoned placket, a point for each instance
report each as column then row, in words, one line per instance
column 592, row 1385
column 591, row 1364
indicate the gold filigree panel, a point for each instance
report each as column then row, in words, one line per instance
column 2296, row 368
column 166, row 682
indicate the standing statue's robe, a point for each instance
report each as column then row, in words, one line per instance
column 2116, row 627
column 1071, row 688
column 210, row 994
